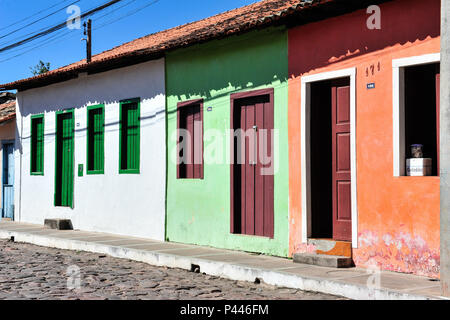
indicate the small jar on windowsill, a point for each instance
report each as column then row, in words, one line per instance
column 418, row 166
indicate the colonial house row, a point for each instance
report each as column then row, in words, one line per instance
column 142, row 140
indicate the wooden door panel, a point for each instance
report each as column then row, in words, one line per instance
column 269, row 177
column 64, row 160
column 198, row 142
column 438, row 110
column 250, row 171
column 340, row 93
column 343, row 153
column 243, row 159
column 343, row 200
column 343, row 107
column 259, row 179
column 255, row 190
column 189, row 155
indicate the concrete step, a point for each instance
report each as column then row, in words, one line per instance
column 323, row 260
column 58, row 224
column 331, row 247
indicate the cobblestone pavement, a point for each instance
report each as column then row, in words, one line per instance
column 30, row 272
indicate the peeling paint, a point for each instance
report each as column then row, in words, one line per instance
column 399, row 251
column 305, row 248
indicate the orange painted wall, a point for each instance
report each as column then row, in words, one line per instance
column 398, row 217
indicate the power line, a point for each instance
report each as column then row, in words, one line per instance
column 36, row 21
column 59, row 26
column 63, row 33
column 129, row 14
column 30, row 33
column 57, row 38
column 33, row 15
column 122, row 6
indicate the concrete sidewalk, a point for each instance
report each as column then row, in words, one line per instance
column 350, row 283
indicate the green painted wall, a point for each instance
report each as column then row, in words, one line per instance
column 198, row 211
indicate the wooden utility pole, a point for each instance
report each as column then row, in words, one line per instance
column 88, row 33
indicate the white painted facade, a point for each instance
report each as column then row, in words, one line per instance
column 125, row 204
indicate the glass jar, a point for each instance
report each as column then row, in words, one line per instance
column 417, row 151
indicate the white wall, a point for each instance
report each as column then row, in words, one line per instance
column 126, row 204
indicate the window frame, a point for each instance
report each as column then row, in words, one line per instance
column 34, row 117
column 122, row 103
column 89, row 109
column 180, row 106
column 398, row 90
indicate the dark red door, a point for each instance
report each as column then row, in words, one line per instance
column 252, row 187
column 342, row 213
column 438, row 110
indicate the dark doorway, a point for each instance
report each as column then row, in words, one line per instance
column 252, row 187
column 321, row 161
column 330, row 160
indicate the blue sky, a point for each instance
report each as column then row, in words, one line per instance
column 111, row 27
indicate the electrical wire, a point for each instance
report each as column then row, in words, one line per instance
column 32, row 16
column 66, row 33
column 59, row 26
column 129, row 14
column 36, row 21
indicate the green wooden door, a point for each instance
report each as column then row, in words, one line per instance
column 64, row 160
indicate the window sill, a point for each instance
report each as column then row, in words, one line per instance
column 417, row 177
column 91, row 173
column 133, row 171
column 37, row 174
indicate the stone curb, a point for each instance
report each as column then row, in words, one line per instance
column 216, row 268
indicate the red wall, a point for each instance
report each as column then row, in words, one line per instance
column 398, row 217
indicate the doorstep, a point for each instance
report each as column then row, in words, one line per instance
column 350, row 283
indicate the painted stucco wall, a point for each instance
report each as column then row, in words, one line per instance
column 127, row 204
column 198, row 211
column 398, row 217
column 7, row 134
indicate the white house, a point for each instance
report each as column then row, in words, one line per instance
column 92, row 149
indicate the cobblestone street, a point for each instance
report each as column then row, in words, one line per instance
column 32, row 272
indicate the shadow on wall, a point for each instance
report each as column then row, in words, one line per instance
column 320, row 44
column 148, row 117
column 222, row 67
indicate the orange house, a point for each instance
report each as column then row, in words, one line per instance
column 362, row 90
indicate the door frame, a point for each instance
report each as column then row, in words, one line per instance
column 3, row 142
column 233, row 98
column 57, row 114
column 306, row 82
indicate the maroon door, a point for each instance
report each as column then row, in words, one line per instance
column 438, row 110
column 252, row 189
column 342, row 213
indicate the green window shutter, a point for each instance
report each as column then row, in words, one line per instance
column 96, row 140
column 130, row 136
column 37, row 145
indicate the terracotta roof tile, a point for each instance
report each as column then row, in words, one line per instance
column 7, row 111
column 238, row 20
